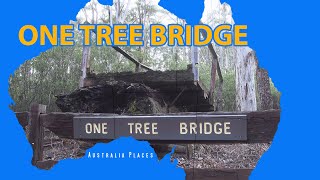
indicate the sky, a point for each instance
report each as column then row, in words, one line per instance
column 210, row 6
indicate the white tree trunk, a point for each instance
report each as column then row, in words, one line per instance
column 245, row 68
column 85, row 64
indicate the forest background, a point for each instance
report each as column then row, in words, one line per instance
column 58, row 70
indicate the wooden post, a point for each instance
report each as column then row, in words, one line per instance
column 37, row 132
column 126, row 55
column 213, row 77
column 215, row 68
column 219, row 105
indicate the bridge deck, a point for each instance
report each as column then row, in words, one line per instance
column 178, row 86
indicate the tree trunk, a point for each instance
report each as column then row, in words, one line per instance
column 246, row 67
column 264, row 92
column 85, row 64
column 219, row 103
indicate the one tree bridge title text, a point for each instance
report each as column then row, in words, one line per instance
column 132, row 35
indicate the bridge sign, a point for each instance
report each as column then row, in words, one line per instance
column 163, row 128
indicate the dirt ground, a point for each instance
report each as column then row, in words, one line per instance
column 233, row 156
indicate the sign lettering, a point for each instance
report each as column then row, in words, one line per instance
column 186, row 127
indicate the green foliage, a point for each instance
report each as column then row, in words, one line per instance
column 205, row 73
column 228, row 91
column 275, row 95
column 132, row 107
column 228, row 87
column 39, row 79
column 58, row 70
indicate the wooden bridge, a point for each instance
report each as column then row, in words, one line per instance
column 183, row 89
